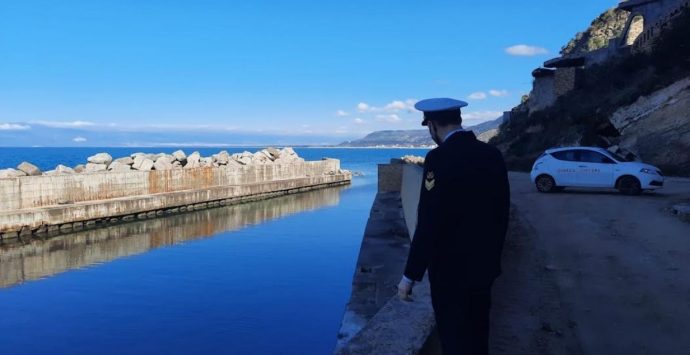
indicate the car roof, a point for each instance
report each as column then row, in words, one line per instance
column 560, row 149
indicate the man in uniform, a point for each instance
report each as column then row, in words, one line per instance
column 461, row 227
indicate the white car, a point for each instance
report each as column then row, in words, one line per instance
column 593, row 167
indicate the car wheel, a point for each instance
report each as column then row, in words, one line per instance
column 629, row 185
column 545, row 183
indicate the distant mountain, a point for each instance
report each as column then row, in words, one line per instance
column 416, row 137
column 406, row 138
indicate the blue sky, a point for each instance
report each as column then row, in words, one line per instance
column 306, row 71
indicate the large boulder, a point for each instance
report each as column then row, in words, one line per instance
column 100, row 158
column 124, row 160
column 275, row 153
column 287, row 156
column 194, row 157
column 193, row 161
column 117, row 166
column 232, row 163
column 61, row 169
column 206, row 162
column 222, row 158
column 93, row 167
column 142, row 163
column 11, row 173
column 180, row 156
column 163, row 162
column 244, row 158
column 29, row 169
column 79, row 168
column 260, row 158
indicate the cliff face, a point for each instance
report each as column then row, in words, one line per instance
column 657, row 127
column 637, row 103
column 607, row 26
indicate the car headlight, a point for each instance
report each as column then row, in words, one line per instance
column 649, row 171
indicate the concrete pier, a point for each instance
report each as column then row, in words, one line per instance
column 42, row 204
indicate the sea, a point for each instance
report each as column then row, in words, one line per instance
column 267, row 277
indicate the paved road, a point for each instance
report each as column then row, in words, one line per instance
column 620, row 264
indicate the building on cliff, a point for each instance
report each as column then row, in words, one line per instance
column 644, row 21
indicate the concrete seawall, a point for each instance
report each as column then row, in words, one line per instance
column 376, row 321
column 37, row 204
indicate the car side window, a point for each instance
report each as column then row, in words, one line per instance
column 566, row 155
column 588, row 156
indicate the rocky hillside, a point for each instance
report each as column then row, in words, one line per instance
column 607, row 26
column 638, row 103
column 399, row 138
column 417, row 137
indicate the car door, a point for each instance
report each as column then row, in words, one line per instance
column 595, row 169
column 565, row 167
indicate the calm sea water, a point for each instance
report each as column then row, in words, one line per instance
column 270, row 277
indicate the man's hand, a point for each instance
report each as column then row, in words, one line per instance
column 405, row 289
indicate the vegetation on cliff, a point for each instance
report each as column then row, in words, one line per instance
column 582, row 116
column 607, row 26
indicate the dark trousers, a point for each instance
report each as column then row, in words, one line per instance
column 462, row 318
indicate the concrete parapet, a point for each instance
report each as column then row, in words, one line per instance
column 410, row 192
column 390, row 177
column 398, row 328
column 375, row 320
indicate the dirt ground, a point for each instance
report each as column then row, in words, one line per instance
column 594, row 272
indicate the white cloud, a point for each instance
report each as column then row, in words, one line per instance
column 477, row 96
column 392, row 118
column 524, row 50
column 498, row 93
column 363, row 107
column 79, row 139
column 13, row 127
column 480, row 116
column 59, row 124
column 394, row 106
column 399, row 105
column 358, row 121
column 341, row 113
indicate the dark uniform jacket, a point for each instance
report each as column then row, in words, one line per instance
column 462, row 215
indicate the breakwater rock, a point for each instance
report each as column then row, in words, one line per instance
column 160, row 161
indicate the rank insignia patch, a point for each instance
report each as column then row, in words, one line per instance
column 429, row 183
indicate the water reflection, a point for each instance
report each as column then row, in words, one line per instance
column 43, row 258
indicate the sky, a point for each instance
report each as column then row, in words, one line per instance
column 257, row 72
